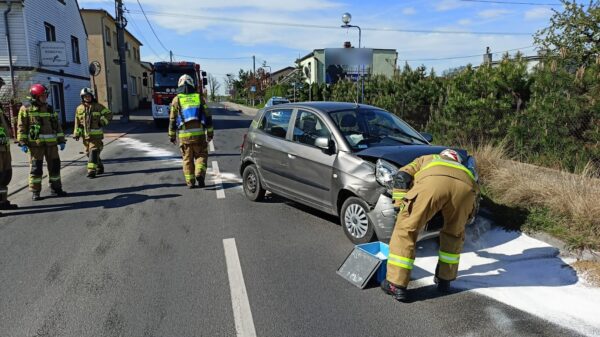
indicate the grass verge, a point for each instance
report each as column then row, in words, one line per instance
column 532, row 198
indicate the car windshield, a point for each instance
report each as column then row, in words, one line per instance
column 169, row 79
column 364, row 128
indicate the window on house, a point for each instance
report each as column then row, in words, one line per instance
column 62, row 2
column 50, row 32
column 75, row 49
column 133, row 86
column 107, row 36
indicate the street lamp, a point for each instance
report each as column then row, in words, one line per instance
column 346, row 18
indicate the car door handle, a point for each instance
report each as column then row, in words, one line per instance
column 291, row 156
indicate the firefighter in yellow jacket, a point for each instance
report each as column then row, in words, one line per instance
column 440, row 183
column 5, row 161
column 40, row 134
column 90, row 118
column 191, row 121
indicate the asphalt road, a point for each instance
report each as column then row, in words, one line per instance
column 135, row 253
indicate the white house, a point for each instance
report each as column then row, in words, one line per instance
column 48, row 43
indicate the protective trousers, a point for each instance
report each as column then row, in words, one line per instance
column 5, row 176
column 36, row 157
column 195, row 157
column 93, row 148
column 455, row 199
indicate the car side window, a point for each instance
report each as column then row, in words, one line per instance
column 308, row 127
column 275, row 122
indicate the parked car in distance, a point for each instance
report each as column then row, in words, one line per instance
column 336, row 157
column 275, row 101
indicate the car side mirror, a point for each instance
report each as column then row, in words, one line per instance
column 326, row 144
column 428, row 136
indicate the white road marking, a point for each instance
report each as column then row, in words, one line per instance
column 244, row 324
column 211, row 146
column 217, row 180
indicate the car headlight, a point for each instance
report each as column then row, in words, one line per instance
column 385, row 173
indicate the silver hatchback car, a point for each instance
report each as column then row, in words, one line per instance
column 336, row 157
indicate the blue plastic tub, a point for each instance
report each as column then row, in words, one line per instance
column 381, row 251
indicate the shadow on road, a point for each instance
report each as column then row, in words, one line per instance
column 149, row 171
column 116, row 202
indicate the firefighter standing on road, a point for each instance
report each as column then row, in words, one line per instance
column 40, row 134
column 439, row 183
column 5, row 160
column 191, row 121
column 90, row 118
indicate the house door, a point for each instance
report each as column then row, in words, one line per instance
column 58, row 101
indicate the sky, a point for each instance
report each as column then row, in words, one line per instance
column 224, row 35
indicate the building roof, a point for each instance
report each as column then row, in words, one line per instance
column 277, row 72
column 311, row 54
column 112, row 18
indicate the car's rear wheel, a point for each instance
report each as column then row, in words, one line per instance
column 252, row 186
column 355, row 222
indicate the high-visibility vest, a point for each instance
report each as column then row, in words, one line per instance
column 190, row 108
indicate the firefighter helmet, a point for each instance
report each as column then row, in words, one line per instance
column 185, row 79
column 38, row 90
column 451, row 154
column 86, row 91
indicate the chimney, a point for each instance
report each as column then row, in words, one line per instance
column 347, row 44
column 487, row 57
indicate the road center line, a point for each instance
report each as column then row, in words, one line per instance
column 218, row 181
column 244, row 324
column 211, row 146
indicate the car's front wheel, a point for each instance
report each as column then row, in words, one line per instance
column 252, row 186
column 355, row 222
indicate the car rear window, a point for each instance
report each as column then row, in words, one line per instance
column 276, row 122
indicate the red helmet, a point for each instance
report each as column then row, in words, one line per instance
column 37, row 90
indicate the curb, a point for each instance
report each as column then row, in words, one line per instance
column 243, row 109
column 126, row 132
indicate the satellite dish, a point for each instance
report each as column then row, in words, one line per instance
column 95, row 68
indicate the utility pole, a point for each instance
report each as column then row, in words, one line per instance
column 253, row 76
column 121, row 23
column 171, row 55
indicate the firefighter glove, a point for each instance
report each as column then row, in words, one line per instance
column 62, row 146
column 24, row 148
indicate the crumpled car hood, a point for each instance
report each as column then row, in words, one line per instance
column 404, row 154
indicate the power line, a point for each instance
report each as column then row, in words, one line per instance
column 514, row 3
column 139, row 31
column 214, row 58
column 466, row 56
column 303, row 25
column 152, row 28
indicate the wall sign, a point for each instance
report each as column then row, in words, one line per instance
column 53, row 54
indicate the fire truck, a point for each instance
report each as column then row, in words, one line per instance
column 164, row 87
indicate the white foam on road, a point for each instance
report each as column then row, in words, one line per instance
column 244, row 324
column 150, row 150
column 522, row 272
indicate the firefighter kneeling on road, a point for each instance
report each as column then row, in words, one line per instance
column 5, row 160
column 439, row 183
column 39, row 134
column 90, row 118
column 191, row 121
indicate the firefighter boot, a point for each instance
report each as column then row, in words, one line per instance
column 35, row 196
column 5, row 204
column 399, row 293
column 200, row 180
column 91, row 174
column 443, row 286
column 59, row 192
